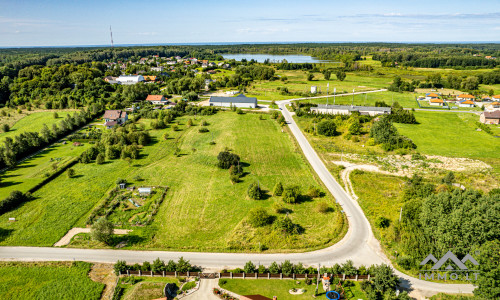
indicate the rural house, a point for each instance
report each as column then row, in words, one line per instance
column 348, row 109
column 157, row 99
column 238, row 101
column 490, row 117
column 466, row 103
column 463, row 97
column 114, row 117
column 430, row 96
column 436, row 102
column 495, row 98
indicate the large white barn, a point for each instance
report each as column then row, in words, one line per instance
column 238, row 101
column 130, row 79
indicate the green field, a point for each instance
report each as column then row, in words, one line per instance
column 34, row 123
column 203, row 210
column 280, row 288
column 297, row 82
column 48, row 281
column 32, row 171
column 451, row 134
column 378, row 197
column 404, row 99
column 145, row 289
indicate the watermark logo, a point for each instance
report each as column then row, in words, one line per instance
column 450, row 265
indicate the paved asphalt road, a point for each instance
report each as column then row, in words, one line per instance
column 359, row 244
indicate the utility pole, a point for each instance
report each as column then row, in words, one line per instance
column 352, row 104
column 400, row 214
column 111, row 33
column 334, row 92
column 327, row 89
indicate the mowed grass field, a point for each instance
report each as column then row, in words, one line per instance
column 280, row 288
column 33, row 122
column 297, row 82
column 451, row 134
column 50, row 281
column 203, row 210
column 32, row 171
column 147, row 288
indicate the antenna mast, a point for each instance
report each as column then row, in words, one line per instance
column 111, row 33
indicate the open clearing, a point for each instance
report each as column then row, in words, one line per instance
column 452, row 134
column 32, row 122
column 202, row 210
column 48, row 281
column 35, row 169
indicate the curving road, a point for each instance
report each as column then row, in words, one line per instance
column 358, row 245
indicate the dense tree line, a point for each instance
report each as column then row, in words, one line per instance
column 434, row 59
column 29, row 142
column 384, row 133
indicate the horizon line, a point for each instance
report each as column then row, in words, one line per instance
column 249, row 43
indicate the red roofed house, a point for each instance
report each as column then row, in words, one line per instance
column 114, row 117
column 436, row 102
column 466, row 103
column 490, row 117
column 157, row 99
column 430, row 96
column 495, row 98
column 465, row 97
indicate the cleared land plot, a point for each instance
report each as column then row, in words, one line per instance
column 297, row 82
column 34, row 170
column 280, row 288
column 33, row 122
column 450, row 134
column 48, row 281
column 203, row 210
column 369, row 99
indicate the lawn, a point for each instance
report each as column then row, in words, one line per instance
column 203, row 210
column 47, row 281
column 32, row 171
column 33, row 122
column 145, row 288
column 280, row 288
column 450, row 134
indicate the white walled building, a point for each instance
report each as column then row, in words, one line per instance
column 130, row 79
column 238, row 101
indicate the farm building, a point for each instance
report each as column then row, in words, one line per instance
column 466, row 103
column 490, row 117
column 348, row 109
column 130, row 79
column 238, row 101
column 463, row 97
column 114, row 117
column 436, row 102
column 157, row 99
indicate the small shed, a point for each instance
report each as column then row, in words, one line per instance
column 144, row 191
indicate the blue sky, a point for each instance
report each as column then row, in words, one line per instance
column 69, row 22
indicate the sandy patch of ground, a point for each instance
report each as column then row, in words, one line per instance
column 74, row 231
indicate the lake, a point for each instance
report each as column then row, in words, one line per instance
column 275, row 58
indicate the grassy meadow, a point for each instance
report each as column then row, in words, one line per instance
column 453, row 135
column 203, row 210
column 280, row 288
column 34, row 170
column 47, row 280
column 31, row 122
